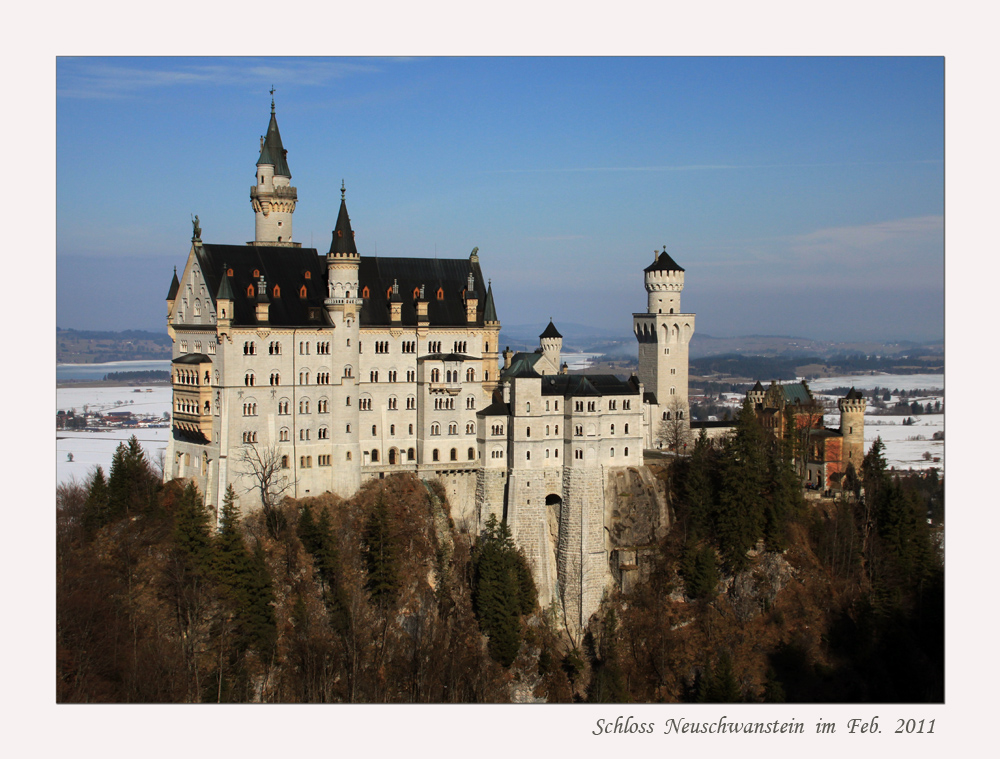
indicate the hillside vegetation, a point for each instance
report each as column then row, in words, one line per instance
column 377, row 598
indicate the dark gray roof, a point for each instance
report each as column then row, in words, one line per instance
column 285, row 267
column 192, row 358
column 272, row 152
column 343, row 236
column 174, row 286
column 490, row 310
column 447, row 357
column 757, row 387
column 225, row 291
column 573, row 385
column 854, row 395
column 663, row 262
column 497, row 408
column 522, row 365
column 550, row 331
column 450, row 276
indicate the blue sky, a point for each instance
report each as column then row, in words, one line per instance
column 803, row 196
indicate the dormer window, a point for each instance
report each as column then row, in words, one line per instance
column 365, row 293
column 256, row 273
column 440, row 293
column 308, row 275
column 302, row 291
column 229, row 273
column 249, row 291
column 416, row 293
column 388, row 294
column 277, row 291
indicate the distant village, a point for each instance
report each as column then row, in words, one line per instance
column 102, row 419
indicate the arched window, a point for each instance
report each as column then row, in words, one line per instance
column 626, row 431
column 454, row 454
column 440, row 294
column 302, row 291
column 626, row 451
column 249, row 291
column 277, row 291
column 472, row 454
column 374, row 455
column 470, row 375
column 612, row 430
column 410, row 454
column 435, row 456
column 527, row 455
column 308, row 275
column 612, row 453
column 365, row 292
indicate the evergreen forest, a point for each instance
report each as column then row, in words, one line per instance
column 754, row 595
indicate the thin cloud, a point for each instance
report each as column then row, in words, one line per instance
column 104, row 79
column 709, row 167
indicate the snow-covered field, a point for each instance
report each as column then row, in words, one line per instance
column 577, row 361
column 905, row 445
column 92, row 448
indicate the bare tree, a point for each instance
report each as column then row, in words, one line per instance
column 262, row 466
column 674, row 432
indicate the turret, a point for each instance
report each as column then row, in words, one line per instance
column 664, row 283
column 342, row 261
column 263, row 306
column 224, row 302
column 551, row 342
column 175, row 286
column 272, row 197
column 471, row 300
column 852, row 427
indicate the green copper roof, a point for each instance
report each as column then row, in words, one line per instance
column 272, row 152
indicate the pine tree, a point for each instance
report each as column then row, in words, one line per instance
column 381, row 555
column 95, row 510
column 191, row 533
column 502, row 590
column 740, row 517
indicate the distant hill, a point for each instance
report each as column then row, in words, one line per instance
column 94, row 347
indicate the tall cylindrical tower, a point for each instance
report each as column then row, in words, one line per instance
column 852, row 427
column 272, row 196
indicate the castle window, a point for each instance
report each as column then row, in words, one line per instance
column 546, row 453
column 410, row 454
column 283, row 435
column 348, row 455
column 302, row 291
column 578, row 454
column 527, row 431
column 411, row 403
column 374, row 455
column 256, row 273
column 277, row 291
column 435, row 429
column 453, row 429
column 557, row 453
column 527, row 455
column 557, row 429
column 374, row 430
column 323, row 406
column 626, row 451
column 365, row 292
column 470, row 428
column 612, row 453
column 454, row 454
column 229, row 273
column 249, row 291
column 440, row 294
column 434, row 455
column 308, row 274
column 284, row 462
column 248, row 379
column 348, row 429
column 626, row 431
column 470, row 375
column 411, row 429
column 527, row 407
column 323, row 434
column 612, row 432
column 392, row 430
column 411, row 375
column 472, row 454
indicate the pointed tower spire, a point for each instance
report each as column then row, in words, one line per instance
column 489, row 309
column 272, row 197
column 343, row 236
column 175, row 285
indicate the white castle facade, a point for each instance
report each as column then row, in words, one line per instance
column 344, row 368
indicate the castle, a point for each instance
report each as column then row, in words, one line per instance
column 340, row 368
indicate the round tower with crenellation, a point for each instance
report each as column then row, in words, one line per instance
column 852, row 427
column 272, row 197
